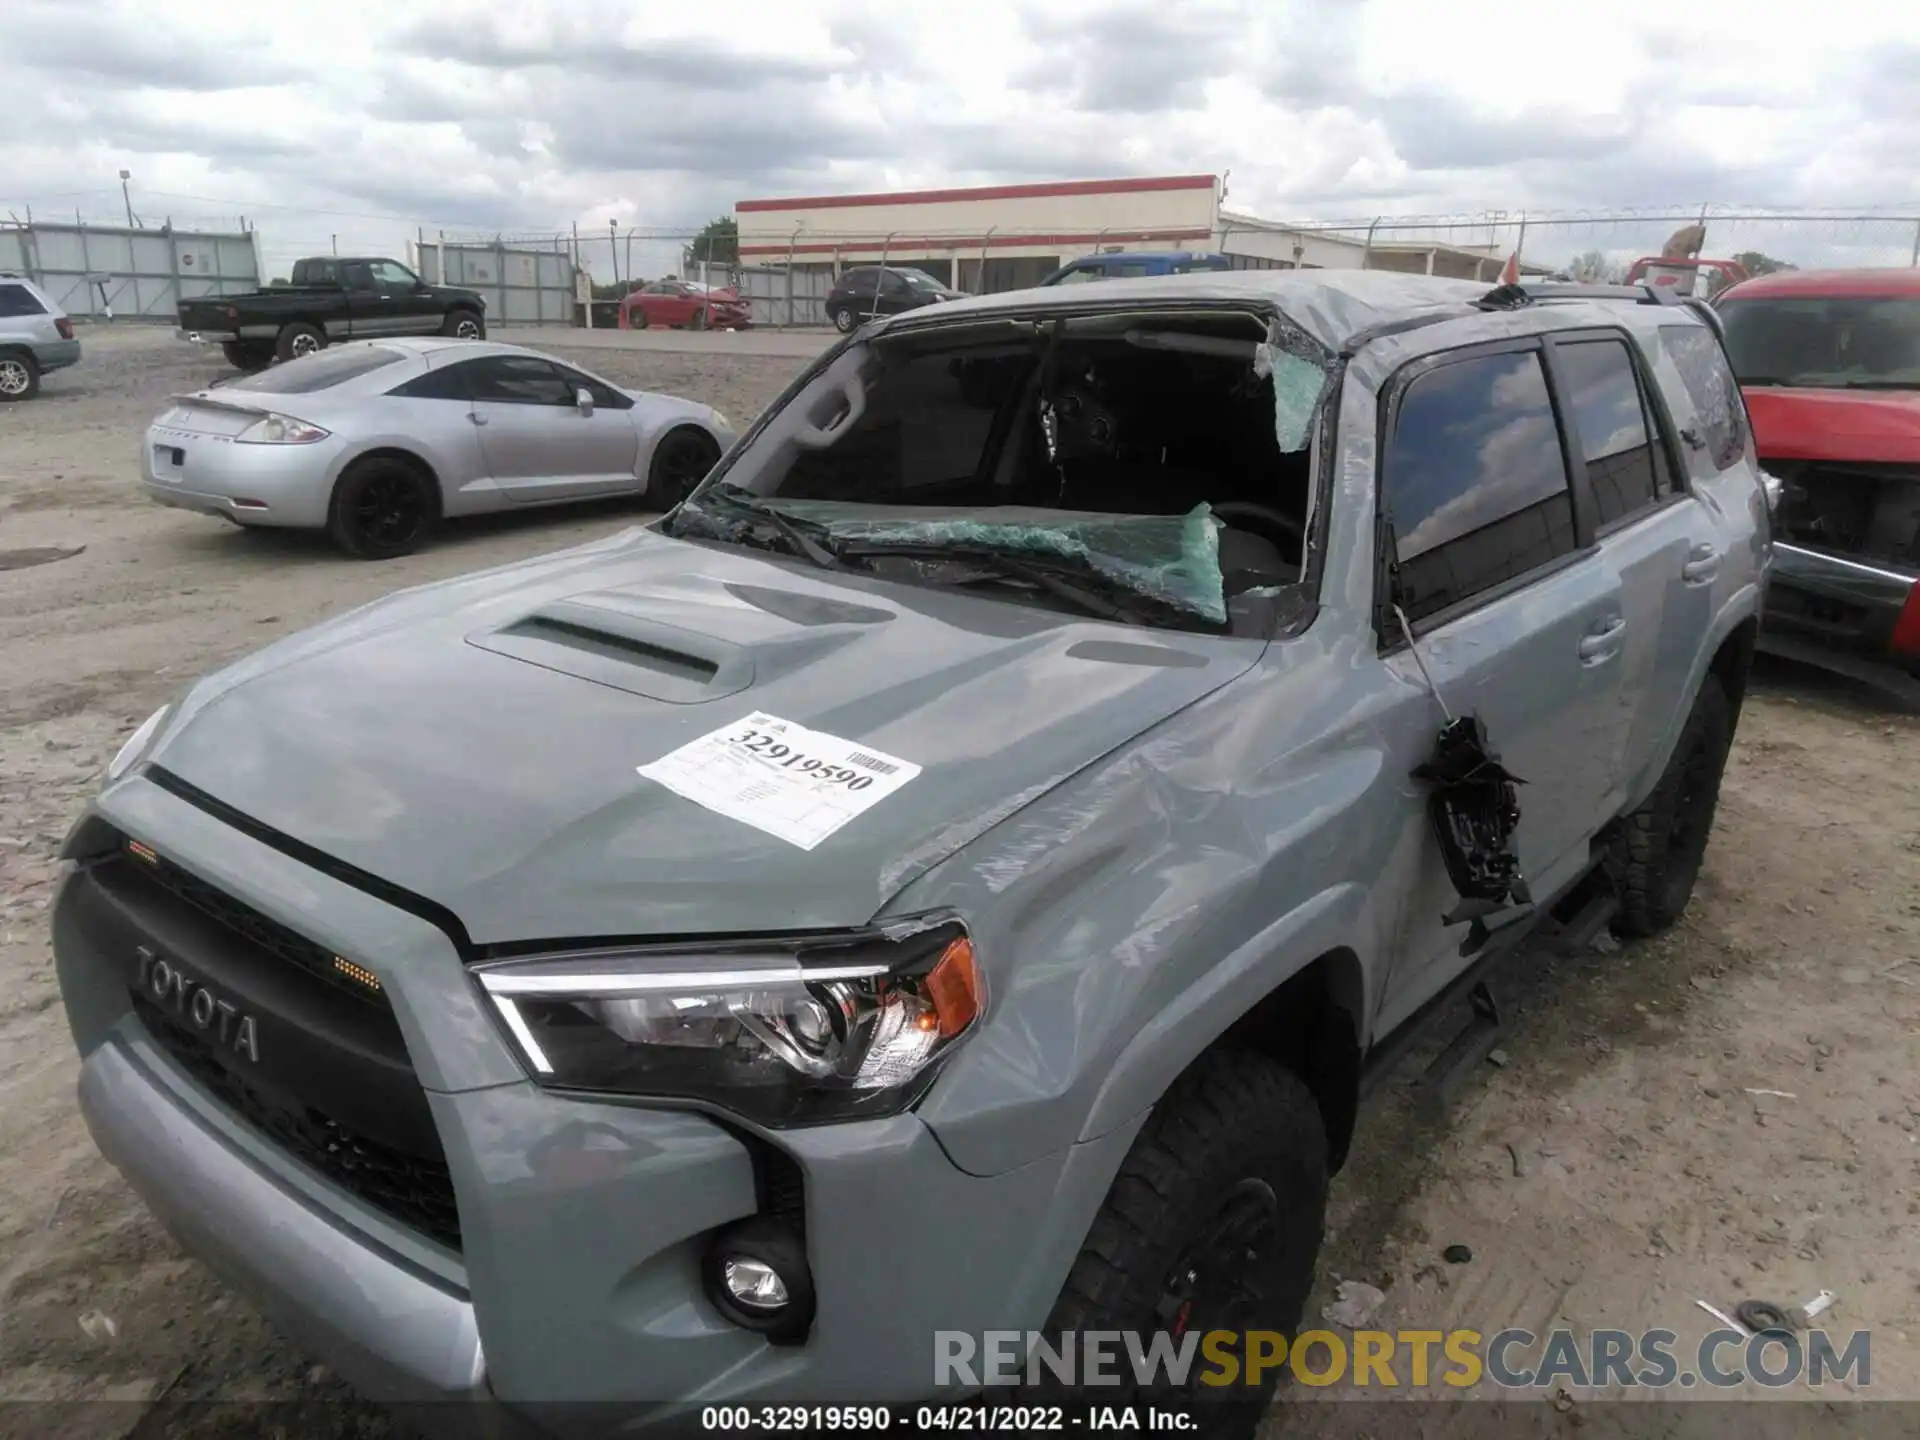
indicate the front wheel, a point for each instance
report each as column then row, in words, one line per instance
column 1213, row 1223
column 382, row 508
column 697, row 320
column 680, row 461
column 1661, row 845
column 19, row 376
column 463, row 325
column 844, row 321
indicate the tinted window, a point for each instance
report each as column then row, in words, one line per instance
column 1839, row 342
column 391, row 276
column 1130, row 270
column 1475, row 483
column 443, row 383
column 316, row 272
column 517, row 380
column 605, row 397
column 1604, row 398
column 1722, row 418
column 319, row 371
column 1078, row 277
column 18, row 300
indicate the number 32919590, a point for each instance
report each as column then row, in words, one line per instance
column 772, row 749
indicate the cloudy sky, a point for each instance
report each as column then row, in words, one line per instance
column 363, row 120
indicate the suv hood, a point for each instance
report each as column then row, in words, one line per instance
column 475, row 742
column 1863, row 426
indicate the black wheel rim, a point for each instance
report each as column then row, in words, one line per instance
column 683, row 463
column 1222, row 1279
column 390, row 511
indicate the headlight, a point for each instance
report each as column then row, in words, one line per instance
column 131, row 753
column 791, row 1033
column 280, row 430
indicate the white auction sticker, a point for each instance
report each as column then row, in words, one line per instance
column 796, row 784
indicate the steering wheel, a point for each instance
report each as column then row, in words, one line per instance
column 1287, row 533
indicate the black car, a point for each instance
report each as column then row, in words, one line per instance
column 869, row 290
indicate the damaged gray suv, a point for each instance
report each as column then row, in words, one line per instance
column 956, row 873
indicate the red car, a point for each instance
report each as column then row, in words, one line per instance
column 685, row 304
column 1829, row 364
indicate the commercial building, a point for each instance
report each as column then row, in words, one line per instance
column 1004, row 237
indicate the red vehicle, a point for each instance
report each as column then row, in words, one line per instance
column 1687, row 275
column 1829, row 364
column 685, row 305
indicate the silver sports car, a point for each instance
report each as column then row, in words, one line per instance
column 377, row 441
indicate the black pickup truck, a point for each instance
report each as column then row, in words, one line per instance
column 331, row 298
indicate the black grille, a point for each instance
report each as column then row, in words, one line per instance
column 269, row 935
column 326, row 1076
column 417, row 1192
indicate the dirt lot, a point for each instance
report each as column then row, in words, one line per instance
column 1626, row 1159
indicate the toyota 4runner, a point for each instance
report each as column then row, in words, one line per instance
column 956, row 872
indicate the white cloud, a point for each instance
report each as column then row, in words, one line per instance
column 550, row 113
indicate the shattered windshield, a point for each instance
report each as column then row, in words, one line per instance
column 1825, row 343
column 1148, row 470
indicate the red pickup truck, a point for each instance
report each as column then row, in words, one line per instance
column 1829, row 365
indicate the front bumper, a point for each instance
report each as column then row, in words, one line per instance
column 252, row 484
column 1853, row 616
column 56, row 354
column 582, row 1225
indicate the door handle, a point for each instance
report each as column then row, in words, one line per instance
column 1602, row 642
column 476, row 418
column 1703, row 564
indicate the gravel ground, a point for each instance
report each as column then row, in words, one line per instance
column 1618, row 1166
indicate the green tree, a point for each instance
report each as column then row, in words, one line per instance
column 1592, row 267
column 1756, row 263
column 718, row 243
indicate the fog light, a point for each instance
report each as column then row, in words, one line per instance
column 754, row 1284
column 757, row 1277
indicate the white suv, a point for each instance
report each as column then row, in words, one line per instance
column 35, row 336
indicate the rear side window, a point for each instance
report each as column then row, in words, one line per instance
column 320, row 371
column 444, row 382
column 1696, row 354
column 1603, row 397
column 516, row 380
column 18, row 300
column 1475, row 483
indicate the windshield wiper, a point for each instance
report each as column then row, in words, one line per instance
column 998, row 564
column 806, row 546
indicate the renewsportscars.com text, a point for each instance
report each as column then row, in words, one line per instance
column 1512, row 1359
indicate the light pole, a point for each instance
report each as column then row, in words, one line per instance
column 125, row 176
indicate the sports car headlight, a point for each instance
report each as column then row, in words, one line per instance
column 137, row 744
column 788, row 1033
column 280, row 430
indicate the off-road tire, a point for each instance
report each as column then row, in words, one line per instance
column 1234, row 1119
column 475, row 327
column 297, row 339
column 19, row 376
column 1660, row 846
column 354, row 516
column 247, row 355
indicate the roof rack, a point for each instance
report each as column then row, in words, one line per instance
column 1512, row 297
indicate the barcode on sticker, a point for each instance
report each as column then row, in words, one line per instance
column 871, row 762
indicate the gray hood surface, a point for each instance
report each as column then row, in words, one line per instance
column 475, row 742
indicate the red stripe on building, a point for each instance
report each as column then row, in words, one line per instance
column 1136, row 186
column 902, row 243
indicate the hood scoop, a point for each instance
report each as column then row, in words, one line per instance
column 624, row 649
